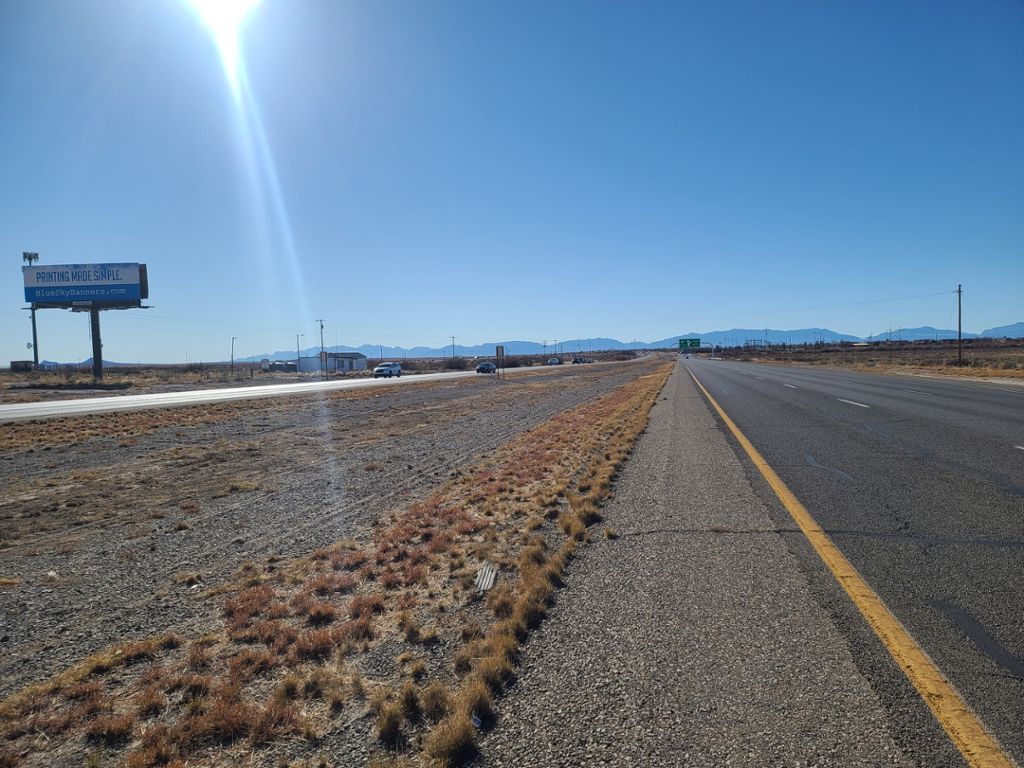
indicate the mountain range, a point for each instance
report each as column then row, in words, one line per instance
column 732, row 337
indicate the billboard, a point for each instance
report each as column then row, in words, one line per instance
column 86, row 285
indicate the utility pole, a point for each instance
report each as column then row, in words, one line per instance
column 233, row 355
column 545, row 343
column 323, row 357
column 959, row 326
column 30, row 258
column 453, row 346
column 298, row 352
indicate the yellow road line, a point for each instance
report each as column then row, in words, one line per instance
column 966, row 731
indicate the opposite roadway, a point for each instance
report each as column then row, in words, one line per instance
column 91, row 405
column 920, row 484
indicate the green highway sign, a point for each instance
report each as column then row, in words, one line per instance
column 689, row 343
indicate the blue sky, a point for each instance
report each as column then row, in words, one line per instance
column 410, row 170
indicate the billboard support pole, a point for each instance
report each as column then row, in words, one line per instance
column 35, row 340
column 30, row 259
column 97, row 346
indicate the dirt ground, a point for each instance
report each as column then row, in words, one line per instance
column 126, row 526
column 983, row 359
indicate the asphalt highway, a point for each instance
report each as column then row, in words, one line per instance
column 44, row 410
column 920, row 484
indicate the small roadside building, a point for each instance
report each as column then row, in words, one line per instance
column 333, row 362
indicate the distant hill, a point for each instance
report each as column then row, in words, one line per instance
column 87, row 363
column 733, row 336
column 924, row 332
column 516, row 347
column 1015, row 331
column 738, row 336
column 569, row 347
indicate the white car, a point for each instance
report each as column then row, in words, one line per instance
column 387, row 370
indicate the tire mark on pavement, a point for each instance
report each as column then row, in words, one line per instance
column 816, row 465
column 981, row 637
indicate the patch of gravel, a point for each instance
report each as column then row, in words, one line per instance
column 114, row 553
column 692, row 639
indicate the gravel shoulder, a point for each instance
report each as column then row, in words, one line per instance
column 692, row 639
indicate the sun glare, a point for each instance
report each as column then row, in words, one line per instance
column 223, row 18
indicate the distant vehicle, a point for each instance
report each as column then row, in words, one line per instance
column 387, row 370
column 486, row 367
column 554, row 361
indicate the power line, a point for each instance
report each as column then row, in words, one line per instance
column 979, row 312
column 788, row 310
column 949, row 319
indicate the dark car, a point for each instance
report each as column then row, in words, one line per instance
column 486, row 367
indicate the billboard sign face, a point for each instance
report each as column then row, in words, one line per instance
column 84, row 285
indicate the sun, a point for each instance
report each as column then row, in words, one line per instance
column 223, row 18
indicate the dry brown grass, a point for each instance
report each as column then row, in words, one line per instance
column 476, row 699
column 389, row 724
column 981, row 358
column 236, row 486
column 1004, row 370
column 109, row 729
column 451, row 742
column 149, row 703
column 32, row 435
column 289, row 654
column 488, row 659
column 436, row 702
column 188, row 579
